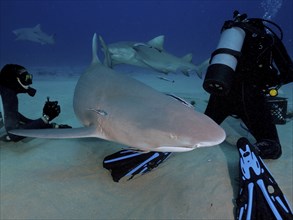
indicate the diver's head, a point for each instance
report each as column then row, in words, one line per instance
column 255, row 23
column 17, row 78
column 239, row 17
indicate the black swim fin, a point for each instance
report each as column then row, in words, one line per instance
column 260, row 196
column 129, row 163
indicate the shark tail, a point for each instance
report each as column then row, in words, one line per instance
column 95, row 58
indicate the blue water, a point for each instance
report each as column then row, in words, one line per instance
column 188, row 25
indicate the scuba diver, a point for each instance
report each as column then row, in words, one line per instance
column 241, row 79
column 242, row 75
column 15, row 79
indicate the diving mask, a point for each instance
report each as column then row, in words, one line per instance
column 25, row 79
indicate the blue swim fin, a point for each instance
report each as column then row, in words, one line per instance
column 260, row 196
column 129, row 163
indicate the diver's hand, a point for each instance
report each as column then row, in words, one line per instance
column 51, row 110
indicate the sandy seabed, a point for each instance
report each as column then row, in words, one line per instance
column 64, row 179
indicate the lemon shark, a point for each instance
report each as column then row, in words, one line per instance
column 148, row 55
column 34, row 34
column 121, row 109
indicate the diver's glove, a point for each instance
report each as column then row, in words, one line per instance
column 51, row 110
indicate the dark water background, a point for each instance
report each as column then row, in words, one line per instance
column 188, row 25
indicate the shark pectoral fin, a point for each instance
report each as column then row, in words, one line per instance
column 57, row 133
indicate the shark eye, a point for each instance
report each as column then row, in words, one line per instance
column 99, row 111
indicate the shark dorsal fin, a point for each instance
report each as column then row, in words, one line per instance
column 108, row 60
column 37, row 27
column 95, row 58
column 157, row 42
column 187, row 58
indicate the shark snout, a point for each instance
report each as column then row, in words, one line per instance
column 180, row 145
column 185, row 148
column 173, row 149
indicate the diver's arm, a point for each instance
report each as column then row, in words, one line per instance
column 283, row 62
column 12, row 124
column 24, row 119
column 15, row 120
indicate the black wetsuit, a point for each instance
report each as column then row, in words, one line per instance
column 254, row 73
column 12, row 118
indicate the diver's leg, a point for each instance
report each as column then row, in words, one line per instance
column 217, row 109
column 127, row 164
column 259, row 196
column 258, row 120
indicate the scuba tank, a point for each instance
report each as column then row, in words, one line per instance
column 223, row 61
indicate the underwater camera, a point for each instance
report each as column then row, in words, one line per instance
column 223, row 60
